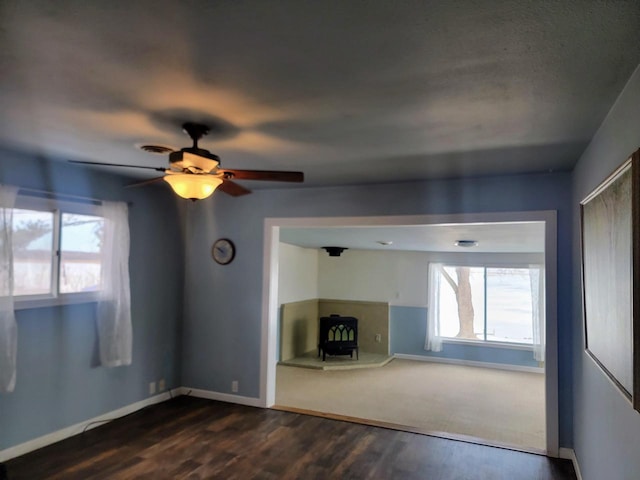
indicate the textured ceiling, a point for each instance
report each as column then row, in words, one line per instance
column 346, row 91
column 513, row 237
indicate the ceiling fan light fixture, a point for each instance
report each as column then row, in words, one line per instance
column 191, row 186
column 194, row 173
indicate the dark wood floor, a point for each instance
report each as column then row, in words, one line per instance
column 193, row 438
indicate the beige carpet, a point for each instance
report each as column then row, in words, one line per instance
column 338, row 362
column 499, row 406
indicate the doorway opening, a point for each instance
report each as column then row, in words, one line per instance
column 484, row 373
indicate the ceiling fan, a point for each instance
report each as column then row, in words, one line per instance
column 194, row 173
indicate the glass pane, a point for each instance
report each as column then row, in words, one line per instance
column 80, row 246
column 469, row 283
column 509, row 307
column 32, row 252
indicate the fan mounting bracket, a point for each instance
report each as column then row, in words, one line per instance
column 195, row 131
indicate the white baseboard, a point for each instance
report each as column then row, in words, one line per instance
column 223, row 397
column 469, row 363
column 570, row 454
column 80, row 427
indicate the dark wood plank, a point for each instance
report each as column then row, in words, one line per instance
column 190, row 438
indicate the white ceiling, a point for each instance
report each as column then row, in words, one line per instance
column 511, row 237
column 347, row 91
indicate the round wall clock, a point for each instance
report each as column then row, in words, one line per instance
column 223, row 251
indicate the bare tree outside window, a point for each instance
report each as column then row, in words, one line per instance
column 462, row 290
column 491, row 304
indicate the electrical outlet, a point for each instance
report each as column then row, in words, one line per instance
column 152, row 388
column 234, row 386
column 378, row 338
column 161, row 385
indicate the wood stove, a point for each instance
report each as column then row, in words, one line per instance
column 338, row 336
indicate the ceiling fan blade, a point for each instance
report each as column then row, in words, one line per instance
column 157, row 169
column 270, row 175
column 144, row 182
column 233, row 189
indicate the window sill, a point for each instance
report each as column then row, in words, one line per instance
column 44, row 302
column 481, row 343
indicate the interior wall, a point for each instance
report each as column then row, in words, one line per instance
column 374, row 275
column 396, row 277
column 298, row 273
column 297, row 283
column 400, row 278
column 408, row 327
column 298, row 328
column 223, row 304
column 606, row 428
column 59, row 381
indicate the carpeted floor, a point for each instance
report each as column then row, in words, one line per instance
column 499, row 406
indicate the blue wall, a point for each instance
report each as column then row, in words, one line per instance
column 221, row 333
column 223, row 304
column 606, row 428
column 408, row 329
column 59, row 382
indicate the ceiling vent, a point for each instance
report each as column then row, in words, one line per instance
column 466, row 243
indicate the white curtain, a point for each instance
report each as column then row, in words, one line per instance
column 8, row 325
column 433, row 341
column 536, row 276
column 114, row 304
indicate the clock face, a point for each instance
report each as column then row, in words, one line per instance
column 223, row 251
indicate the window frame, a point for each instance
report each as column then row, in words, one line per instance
column 57, row 207
column 482, row 342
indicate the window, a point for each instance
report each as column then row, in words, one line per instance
column 56, row 251
column 32, row 252
column 80, row 261
column 488, row 304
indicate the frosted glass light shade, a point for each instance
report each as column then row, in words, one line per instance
column 192, row 186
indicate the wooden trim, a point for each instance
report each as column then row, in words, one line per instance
column 635, row 279
column 408, row 428
column 570, row 454
column 633, row 163
column 357, row 302
column 609, row 376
